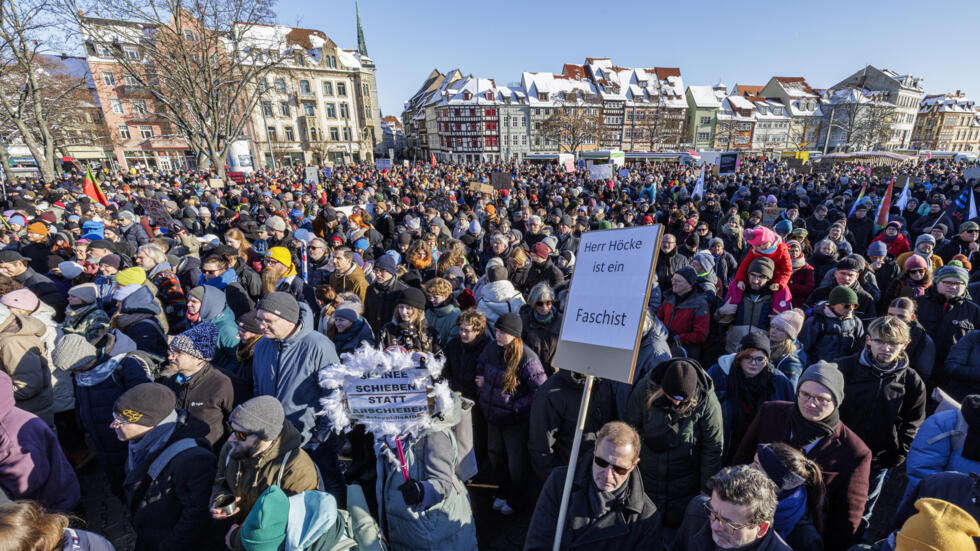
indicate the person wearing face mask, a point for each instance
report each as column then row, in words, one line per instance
column 742, row 382
column 812, row 425
column 607, row 492
column 884, row 400
column 833, row 329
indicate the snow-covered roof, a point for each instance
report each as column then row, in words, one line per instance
column 705, row 96
column 796, row 87
column 947, row 103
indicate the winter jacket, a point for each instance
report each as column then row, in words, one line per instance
column 350, row 340
column 780, row 257
column 922, row 351
column 444, row 519
column 963, row 366
column 137, row 319
column 170, row 294
column 958, row 488
column 215, row 310
column 497, row 298
column 543, row 272
column 653, row 350
column 170, row 511
column 946, row 321
column 22, row 357
column 843, row 458
column 507, row 408
column 89, row 321
column 134, row 234
column 861, row 230
column 83, row 540
column 956, row 246
column 827, row 337
column 779, row 388
column 460, row 368
column 46, row 291
column 632, row 523
column 542, row 337
column 353, row 282
column 248, row 477
column 895, row 247
column 884, row 408
column 300, row 290
column 287, row 369
column 695, row 532
column 396, row 333
column 686, row 318
column 801, row 284
column 236, row 297
column 938, row 447
column 554, row 413
column 792, row 365
column 675, row 467
column 667, row 264
column 32, row 464
column 884, row 276
column 866, row 309
column 443, row 320
column 380, row 301
column 208, row 396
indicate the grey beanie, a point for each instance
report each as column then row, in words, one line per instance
column 878, row 248
column 706, row 260
column 925, row 238
column 829, row 376
column 72, row 351
column 281, row 304
column 262, row 415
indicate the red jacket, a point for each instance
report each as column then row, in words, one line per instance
column 843, row 458
column 780, row 257
column 897, row 246
column 688, row 318
column 801, row 284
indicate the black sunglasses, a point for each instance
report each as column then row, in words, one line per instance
column 603, row 464
column 543, row 303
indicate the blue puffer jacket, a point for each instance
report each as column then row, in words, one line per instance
column 792, row 365
column 287, row 369
column 938, row 447
column 215, row 310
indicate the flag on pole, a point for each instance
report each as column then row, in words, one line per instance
column 962, row 209
column 857, row 201
column 92, row 189
column 432, row 161
column 903, row 199
column 881, row 217
column 699, row 187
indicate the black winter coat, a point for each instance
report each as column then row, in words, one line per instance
column 828, row 337
column 632, row 523
column 946, row 322
column 209, row 397
column 170, row 512
column 544, row 272
column 668, row 264
column 695, row 532
column 541, row 337
column 884, row 408
column 380, row 301
column 460, row 367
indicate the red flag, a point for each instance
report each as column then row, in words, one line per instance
column 881, row 218
column 92, row 189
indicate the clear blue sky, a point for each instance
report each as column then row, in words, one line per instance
column 737, row 42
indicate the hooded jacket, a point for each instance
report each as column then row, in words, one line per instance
column 498, row 298
column 946, row 320
column 675, row 467
column 938, row 447
column 443, row 320
column 287, row 369
column 653, row 350
column 46, row 291
column 32, row 465
column 215, row 310
column 22, row 357
column 248, row 477
column 137, row 319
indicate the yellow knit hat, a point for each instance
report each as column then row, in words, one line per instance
column 284, row 257
column 130, row 276
column 938, row 526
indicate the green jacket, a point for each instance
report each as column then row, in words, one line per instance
column 443, row 320
column 675, row 468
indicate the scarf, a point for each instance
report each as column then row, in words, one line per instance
column 789, row 511
column 98, row 372
column 151, row 442
column 746, row 394
column 804, row 432
column 880, row 369
column 769, row 250
column 970, row 410
column 340, row 340
column 798, row 262
column 543, row 320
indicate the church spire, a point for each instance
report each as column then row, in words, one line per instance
column 361, row 44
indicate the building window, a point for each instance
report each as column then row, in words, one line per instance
column 304, row 88
column 346, row 134
column 130, row 80
column 313, row 134
column 109, row 79
column 146, row 132
column 131, row 53
column 308, row 108
column 327, row 88
column 367, row 91
column 289, row 134
column 280, row 86
column 117, row 106
column 344, row 111
column 705, row 121
column 523, row 140
column 263, row 84
column 189, row 35
column 139, row 106
column 341, row 89
column 267, row 108
column 124, row 132
column 331, row 111
column 704, row 136
column 514, row 140
column 334, row 135
column 284, row 108
column 271, row 133
column 299, row 59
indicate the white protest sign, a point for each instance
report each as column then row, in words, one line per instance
column 607, row 298
column 391, row 396
column 971, row 173
column 600, row 172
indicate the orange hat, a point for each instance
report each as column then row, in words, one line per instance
column 37, row 228
column 491, row 210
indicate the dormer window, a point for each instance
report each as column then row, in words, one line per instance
column 489, row 95
column 467, row 96
column 543, row 96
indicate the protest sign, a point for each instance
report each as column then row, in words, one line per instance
column 312, row 174
column 600, row 172
column 480, row 187
column 569, row 165
column 382, row 164
column 237, row 177
column 398, row 395
column 327, row 172
column 770, row 215
column 156, row 211
column 794, row 164
column 971, row 173
column 624, row 173
column 216, row 183
column 501, row 180
column 727, row 163
column 601, row 327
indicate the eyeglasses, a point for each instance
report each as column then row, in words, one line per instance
column 543, row 303
column 603, row 464
column 118, row 422
column 819, row 400
column 239, row 434
column 758, row 360
column 732, row 527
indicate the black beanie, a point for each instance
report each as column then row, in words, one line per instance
column 689, row 275
column 693, row 241
column 762, row 265
column 281, row 304
column 412, row 297
column 145, row 404
column 510, row 323
column 757, row 340
column 680, row 379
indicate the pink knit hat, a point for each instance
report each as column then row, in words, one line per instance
column 915, row 261
column 790, row 321
column 23, row 299
column 759, row 235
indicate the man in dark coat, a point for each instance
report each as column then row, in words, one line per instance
column 131, row 231
column 542, row 269
column 14, row 265
column 169, row 470
column 381, row 297
column 739, row 513
column 813, row 424
column 862, row 228
column 608, row 508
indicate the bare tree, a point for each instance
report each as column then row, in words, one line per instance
column 572, row 123
column 874, row 125
column 802, row 133
column 726, row 129
column 844, row 117
column 199, row 60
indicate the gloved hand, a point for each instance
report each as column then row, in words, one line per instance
column 412, row 492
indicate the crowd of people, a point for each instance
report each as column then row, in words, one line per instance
column 797, row 351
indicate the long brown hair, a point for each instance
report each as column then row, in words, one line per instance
column 243, row 244
column 513, row 354
column 795, row 461
column 25, row 525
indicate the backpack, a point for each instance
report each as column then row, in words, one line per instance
column 156, row 367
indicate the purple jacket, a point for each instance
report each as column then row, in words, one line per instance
column 499, row 407
column 32, row 465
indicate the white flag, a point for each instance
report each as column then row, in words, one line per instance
column 903, row 199
column 699, row 187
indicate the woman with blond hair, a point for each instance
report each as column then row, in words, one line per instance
column 25, row 526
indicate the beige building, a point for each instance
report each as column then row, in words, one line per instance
column 947, row 122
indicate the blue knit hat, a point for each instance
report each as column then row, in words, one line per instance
column 199, row 341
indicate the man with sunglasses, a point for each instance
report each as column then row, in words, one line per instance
column 833, row 330
column 738, row 514
column 608, row 508
column 885, row 400
column 966, row 243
